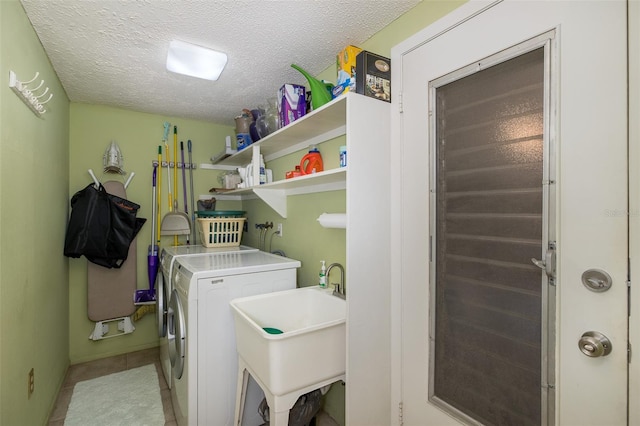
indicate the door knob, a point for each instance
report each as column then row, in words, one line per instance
column 594, row 344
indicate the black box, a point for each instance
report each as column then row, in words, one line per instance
column 373, row 76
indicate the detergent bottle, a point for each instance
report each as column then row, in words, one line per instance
column 311, row 162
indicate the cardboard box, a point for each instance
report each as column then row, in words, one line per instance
column 346, row 66
column 291, row 103
column 373, row 76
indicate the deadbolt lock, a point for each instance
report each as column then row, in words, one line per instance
column 596, row 280
column 594, row 344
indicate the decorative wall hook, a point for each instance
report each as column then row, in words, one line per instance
column 28, row 95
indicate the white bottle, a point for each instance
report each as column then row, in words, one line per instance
column 322, row 282
column 263, row 173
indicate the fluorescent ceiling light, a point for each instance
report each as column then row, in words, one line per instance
column 195, row 61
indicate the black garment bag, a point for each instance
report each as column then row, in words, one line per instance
column 101, row 227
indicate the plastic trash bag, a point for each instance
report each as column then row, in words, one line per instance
column 302, row 412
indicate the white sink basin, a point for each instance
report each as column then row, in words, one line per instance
column 311, row 347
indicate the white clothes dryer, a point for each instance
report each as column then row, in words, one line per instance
column 201, row 331
column 168, row 255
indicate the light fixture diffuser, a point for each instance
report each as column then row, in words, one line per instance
column 195, row 61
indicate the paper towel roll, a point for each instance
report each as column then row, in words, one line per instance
column 333, row 220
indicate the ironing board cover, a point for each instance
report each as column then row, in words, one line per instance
column 109, row 291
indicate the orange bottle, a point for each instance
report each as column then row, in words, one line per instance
column 311, row 162
column 293, row 173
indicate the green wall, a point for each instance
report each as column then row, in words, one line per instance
column 138, row 135
column 34, row 176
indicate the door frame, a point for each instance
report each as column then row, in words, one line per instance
column 455, row 18
column 633, row 57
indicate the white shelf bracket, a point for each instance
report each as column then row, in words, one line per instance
column 275, row 198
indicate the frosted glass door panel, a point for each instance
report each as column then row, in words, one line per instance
column 489, row 224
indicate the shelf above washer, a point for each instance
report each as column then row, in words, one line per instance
column 275, row 194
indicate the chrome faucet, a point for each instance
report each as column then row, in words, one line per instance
column 339, row 287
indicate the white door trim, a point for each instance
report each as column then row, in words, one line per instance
column 634, row 206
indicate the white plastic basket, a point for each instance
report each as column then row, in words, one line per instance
column 221, row 231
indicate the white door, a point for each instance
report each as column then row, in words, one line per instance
column 583, row 206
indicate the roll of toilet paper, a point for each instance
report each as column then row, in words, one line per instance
column 333, row 220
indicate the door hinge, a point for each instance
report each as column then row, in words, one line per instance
column 628, row 352
column 628, row 287
column 400, row 106
column 400, row 419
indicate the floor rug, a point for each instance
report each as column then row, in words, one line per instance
column 131, row 397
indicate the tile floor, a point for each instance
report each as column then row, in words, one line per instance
column 102, row 367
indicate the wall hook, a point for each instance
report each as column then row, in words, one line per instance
column 27, row 95
column 30, row 81
column 43, row 93
column 44, row 102
column 39, row 86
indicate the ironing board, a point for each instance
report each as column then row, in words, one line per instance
column 109, row 292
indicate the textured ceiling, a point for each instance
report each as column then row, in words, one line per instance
column 113, row 52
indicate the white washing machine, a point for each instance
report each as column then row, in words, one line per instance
column 201, row 331
column 168, row 255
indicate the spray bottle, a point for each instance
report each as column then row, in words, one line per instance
column 322, row 282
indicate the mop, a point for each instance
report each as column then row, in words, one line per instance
column 145, row 297
column 193, row 209
column 184, row 186
column 159, row 193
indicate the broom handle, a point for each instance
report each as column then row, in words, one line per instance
column 184, row 179
column 166, row 147
column 175, row 175
column 175, row 167
column 193, row 209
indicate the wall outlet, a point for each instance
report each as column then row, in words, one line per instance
column 279, row 230
column 31, row 383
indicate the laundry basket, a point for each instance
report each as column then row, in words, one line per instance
column 220, row 228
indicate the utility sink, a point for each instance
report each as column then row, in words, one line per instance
column 311, row 346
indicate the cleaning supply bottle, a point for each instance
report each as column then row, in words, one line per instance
column 263, row 173
column 343, row 156
column 322, row 282
column 311, row 162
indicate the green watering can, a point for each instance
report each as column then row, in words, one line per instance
column 320, row 91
